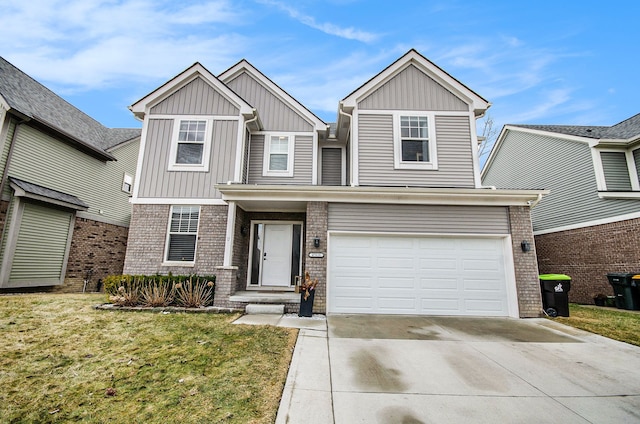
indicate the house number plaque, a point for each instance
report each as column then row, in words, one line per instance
column 316, row 255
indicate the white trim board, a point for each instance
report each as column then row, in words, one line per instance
column 593, row 223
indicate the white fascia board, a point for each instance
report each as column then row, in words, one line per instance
column 175, row 201
column 245, row 66
column 384, row 195
column 142, row 106
column 586, row 224
column 475, row 102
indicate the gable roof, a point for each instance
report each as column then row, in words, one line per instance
column 479, row 104
column 196, row 70
column 29, row 99
column 244, row 66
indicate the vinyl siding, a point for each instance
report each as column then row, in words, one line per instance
column 418, row 219
column 530, row 161
column 616, row 171
column 6, row 143
column 331, row 167
column 275, row 114
column 302, row 162
column 453, row 143
column 196, row 98
column 636, row 159
column 41, row 159
column 411, row 89
column 157, row 181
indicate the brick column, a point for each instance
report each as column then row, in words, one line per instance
column 525, row 263
column 225, row 287
column 316, row 227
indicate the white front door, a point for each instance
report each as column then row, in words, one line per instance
column 276, row 255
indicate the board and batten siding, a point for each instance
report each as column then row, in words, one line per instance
column 275, row 114
column 412, row 89
column 532, row 161
column 157, row 181
column 418, row 219
column 44, row 160
column 616, row 171
column 331, row 166
column 376, row 163
column 196, row 98
column 302, row 162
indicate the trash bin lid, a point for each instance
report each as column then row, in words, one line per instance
column 636, row 277
column 554, row 277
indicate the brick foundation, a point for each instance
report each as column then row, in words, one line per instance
column 588, row 254
column 526, row 267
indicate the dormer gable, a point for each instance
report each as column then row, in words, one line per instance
column 278, row 110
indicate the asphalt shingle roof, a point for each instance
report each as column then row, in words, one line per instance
column 623, row 130
column 32, row 99
column 47, row 192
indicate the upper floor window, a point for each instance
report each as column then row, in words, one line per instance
column 182, row 234
column 619, row 172
column 127, row 183
column 190, row 145
column 278, row 155
column 414, row 141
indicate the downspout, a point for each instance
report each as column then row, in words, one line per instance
column 343, row 113
column 246, row 126
column 535, row 202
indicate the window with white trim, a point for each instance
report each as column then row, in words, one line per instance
column 414, row 141
column 127, row 183
column 190, row 145
column 619, row 172
column 278, row 155
column 182, row 234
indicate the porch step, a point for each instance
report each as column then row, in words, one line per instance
column 261, row 308
column 269, row 297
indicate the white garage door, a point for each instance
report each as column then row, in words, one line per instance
column 417, row 275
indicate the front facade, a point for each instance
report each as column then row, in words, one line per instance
column 385, row 208
column 588, row 225
column 65, row 186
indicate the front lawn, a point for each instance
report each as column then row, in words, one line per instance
column 61, row 361
column 612, row 323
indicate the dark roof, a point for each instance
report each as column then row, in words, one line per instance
column 623, row 130
column 33, row 100
column 48, row 193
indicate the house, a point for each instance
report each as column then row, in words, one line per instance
column 385, row 207
column 65, row 185
column 589, row 224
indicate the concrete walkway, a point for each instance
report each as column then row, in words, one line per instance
column 390, row 369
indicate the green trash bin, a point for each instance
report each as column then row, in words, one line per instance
column 625, row 290
column 555, row 294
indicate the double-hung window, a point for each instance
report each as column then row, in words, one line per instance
column 414, row 142
column 182, row 234
column 190, row 145
column 278, row 155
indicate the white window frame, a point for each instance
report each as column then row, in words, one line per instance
column 166, row 261
column 432, row 164
column 601, row 182
column 266, row 172
column 206, row 149
column 127, row 183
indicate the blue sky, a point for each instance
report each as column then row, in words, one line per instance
column 544, row 62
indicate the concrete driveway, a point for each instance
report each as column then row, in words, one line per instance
column 398, row 369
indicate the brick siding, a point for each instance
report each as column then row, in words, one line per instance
column 526, row 267
column 588, row 254
column 317, row 226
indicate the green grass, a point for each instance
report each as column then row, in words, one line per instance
column 63, row 361
column 615, row 324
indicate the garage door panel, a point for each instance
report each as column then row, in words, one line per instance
column 417, row 275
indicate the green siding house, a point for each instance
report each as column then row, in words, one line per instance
column 65, row 186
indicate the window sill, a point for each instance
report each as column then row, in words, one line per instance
column 427, row 166
column 619, row 194
column 178, row 263
column 197, row 168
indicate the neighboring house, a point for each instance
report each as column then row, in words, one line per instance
column 66, row 182
column 590, row 223
column 385, row 208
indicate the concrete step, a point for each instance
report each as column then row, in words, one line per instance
column 260, row 308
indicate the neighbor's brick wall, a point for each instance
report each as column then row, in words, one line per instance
column 316, row 226
column 588, row 254
column 526, row 267
column 147, row 238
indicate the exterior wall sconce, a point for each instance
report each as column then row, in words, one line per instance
column 244, row 230
column 316, row 242
column 525, row 246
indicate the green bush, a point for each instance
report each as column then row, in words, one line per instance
column 190, row 291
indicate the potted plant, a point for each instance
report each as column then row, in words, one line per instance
column 600, row 299
column 307, row 293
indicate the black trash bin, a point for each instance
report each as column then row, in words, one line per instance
column 555, row 294
column 625, row 290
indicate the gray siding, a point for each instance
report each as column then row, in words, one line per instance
column 302, row 162
column 157, row 181
column 275, row 114
column 530, row 161
column 411, row 89
column 418, row 218
column 455, row 158
column 6, row 143
column 636, row 159
column 196, row 98
column 616, row 171
column 331, row 166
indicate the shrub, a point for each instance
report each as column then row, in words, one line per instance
column 190, row 291
column 157, row 294
column 196, row 294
